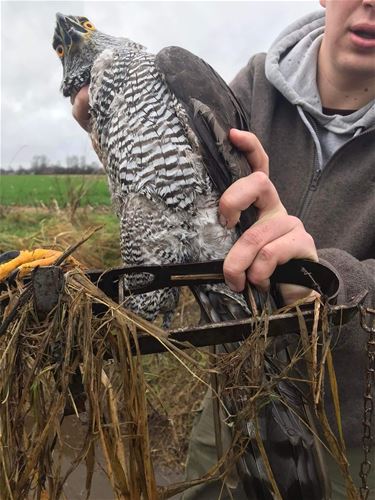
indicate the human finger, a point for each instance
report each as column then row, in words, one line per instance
column 255, row 240
column 80, row 108
column 250, row 145
column 255, row 189
column 296, row 244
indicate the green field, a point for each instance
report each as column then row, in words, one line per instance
column 36, row 190
column 41, row 211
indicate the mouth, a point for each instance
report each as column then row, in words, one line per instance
column 368, row 35
column 363, row 35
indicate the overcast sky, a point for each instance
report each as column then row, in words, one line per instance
column 35, row 117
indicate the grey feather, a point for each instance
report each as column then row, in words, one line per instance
column 160, row 127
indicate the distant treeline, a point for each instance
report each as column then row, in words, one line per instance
column 55, row 170
column 41, row 165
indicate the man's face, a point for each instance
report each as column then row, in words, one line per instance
column 349, row 39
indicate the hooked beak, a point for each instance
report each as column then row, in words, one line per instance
column 68, row 27
column 63, row 22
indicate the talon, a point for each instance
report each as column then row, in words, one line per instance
column 7, row 256
column 25, row 261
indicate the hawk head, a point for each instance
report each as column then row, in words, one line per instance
column 78, row 43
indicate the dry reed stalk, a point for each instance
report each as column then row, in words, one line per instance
column 335, row 446
column 243, row 374
column 38, row 359
column 314, row 348
column 267, row 465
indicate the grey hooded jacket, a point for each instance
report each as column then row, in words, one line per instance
column 291, row 67
column 337, row 207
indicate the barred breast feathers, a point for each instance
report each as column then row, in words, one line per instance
column 148, row 147
column 143, row 130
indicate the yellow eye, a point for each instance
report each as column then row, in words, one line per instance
column 89, row 26
column 60, row 50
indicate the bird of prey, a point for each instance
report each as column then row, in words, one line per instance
column 159, row 124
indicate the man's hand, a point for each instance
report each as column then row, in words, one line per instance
column 274, row 239
column 81, row 108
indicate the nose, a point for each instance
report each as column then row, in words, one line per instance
column 369, row 3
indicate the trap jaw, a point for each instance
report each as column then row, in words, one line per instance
column 47, row 283
column 311, row 275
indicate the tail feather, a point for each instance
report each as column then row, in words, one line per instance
column 283, row 423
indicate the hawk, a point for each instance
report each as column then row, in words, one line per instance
column 159, row 124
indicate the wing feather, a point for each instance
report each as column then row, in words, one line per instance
column 213, row 110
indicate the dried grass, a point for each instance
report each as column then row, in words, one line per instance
column 40, row 358
column 24, row 228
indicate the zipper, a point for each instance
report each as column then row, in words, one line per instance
column 313, row 186
column 318, row 173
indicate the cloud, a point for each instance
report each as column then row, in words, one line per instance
column 35, row 115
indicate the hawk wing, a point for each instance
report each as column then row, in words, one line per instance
column 213, row 110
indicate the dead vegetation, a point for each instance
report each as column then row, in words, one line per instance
column 124, row 394
column 38, row 362
column 169, row 417
column 23, row 228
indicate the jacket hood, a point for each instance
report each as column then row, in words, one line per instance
column 291, row 67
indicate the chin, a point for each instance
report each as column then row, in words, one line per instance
column 357, row 66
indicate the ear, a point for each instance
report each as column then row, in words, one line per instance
column 322, row 3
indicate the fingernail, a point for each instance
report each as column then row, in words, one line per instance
column 223, row 221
